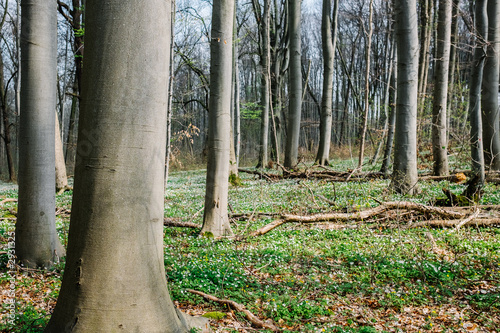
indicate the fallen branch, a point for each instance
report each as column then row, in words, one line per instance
column 451, row 223
column 175, row 223
column 467, row 220
column 239, row 307
column 268, row 227
column 7, row 200
column 268, row 176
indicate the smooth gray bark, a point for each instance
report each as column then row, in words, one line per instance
column 364, row 121
column 328, row 41
column 266, row 86
column 170, row 94
column 114, row 279
column 61, row 176
column 439, row 108
column 489, row 96
column 404, row 176
column 215, row 217
column 392, row 92
column 37, row 242
column 295, row 85
column 476, row 135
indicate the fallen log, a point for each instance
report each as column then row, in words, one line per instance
column 238, row 307
column 168, row 222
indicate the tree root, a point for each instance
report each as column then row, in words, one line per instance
column 239, row 307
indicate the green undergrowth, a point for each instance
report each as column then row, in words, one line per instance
column 310, row 278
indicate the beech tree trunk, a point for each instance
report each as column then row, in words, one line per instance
column 404, row 176
column 61, row 177
column 439, row 114
column 37, row 242
column 476, row 135
column 114, row 279
column 489, row 96
column 266, row 86
column 364, row 120
column 295, row 85
column 215, row 217
column 328, row 40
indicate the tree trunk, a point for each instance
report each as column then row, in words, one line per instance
column 61, row 177
column 404, row 176
column 71, row 139
column 215, row 218
column 237, row 113
column 328, row 38
column 489, row 96
column 439, row 114
column 392, row 115
column 295, row 85
column 367, row 88
column 114, row 277
column 37, row 242
column 476, row 135
column 170, row 93
column 266, row 85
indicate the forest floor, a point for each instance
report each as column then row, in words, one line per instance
column 359, row 275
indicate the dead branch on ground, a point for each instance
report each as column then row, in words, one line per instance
column 238, row 307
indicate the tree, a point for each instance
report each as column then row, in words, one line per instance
column 404, row 176
column 295, row 85
column 37, row 242
column 439, row 108
column 328, row 41
column 114, row 277
column 215, row 217
column 265, row 62
column 61, row 177
column 489, row 96
column 476, row 135
column 364, row 125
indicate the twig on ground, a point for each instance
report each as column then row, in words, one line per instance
column 239, row 307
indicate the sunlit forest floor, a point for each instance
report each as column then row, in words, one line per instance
column 373, row 275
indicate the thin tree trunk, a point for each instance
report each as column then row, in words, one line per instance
column 266, row 85
column 439, row 114
column 237, row 113
column 170, row 94
column 71, row 139
column 37, row 242
column 489, row 96
column 114, row 277
column 367, row 88
column 392, row 114
column 215, row 218
column 404, row 176
column 328, row 38
column 295, row 85
column 476, row 135
column 61, row 177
